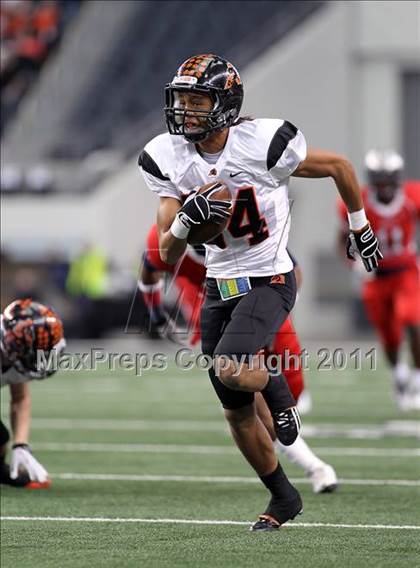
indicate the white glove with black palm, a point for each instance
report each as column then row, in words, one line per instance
column 199, row 208
column 23, row 460
column 365, row 244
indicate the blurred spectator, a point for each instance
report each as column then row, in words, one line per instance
column 30, row 51
column 15, row 17
column 29, row 30
column 46, row 20
column 87, row 282
column 88, row 274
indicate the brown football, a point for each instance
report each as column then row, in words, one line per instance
column 209, row 229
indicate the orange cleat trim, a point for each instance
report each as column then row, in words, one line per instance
column 269, row 518
column 38, row 485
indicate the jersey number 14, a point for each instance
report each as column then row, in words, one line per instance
column 246, row 220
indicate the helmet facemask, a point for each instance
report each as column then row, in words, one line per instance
column 384, row 173
column 210, row 120
column 385, row 185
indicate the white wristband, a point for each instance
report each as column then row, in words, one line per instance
column 178, row 229
column 357, row 220
column 150, row 288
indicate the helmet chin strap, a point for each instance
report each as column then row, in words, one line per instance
column 198, row 137
column 202, row 136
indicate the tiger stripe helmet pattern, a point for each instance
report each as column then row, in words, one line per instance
column 26, row 327
column 211, row 75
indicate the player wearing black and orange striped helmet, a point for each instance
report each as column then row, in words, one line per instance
column 209, row 75
column 27, row 329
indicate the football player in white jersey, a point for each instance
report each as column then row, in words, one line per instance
column 26, row 327
column 250, row 285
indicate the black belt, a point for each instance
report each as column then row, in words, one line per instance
column 254, row 280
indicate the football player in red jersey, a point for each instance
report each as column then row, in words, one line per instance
column 391, row 294
column 189, row 276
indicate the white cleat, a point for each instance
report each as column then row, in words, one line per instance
column 415, row 404
column 408, row 401
column 404, row 402
column 304, row 403
column 324, row 479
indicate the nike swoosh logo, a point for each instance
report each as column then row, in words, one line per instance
column 235, row 174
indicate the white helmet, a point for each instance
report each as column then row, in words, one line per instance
column 384, row 161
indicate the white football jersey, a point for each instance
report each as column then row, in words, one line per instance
column 256, row 163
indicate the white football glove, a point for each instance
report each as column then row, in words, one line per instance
column 23, row 460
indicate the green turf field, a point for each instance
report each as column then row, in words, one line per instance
column 129, row 456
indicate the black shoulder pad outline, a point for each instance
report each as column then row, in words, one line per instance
column 150, row 166
column 286, row 132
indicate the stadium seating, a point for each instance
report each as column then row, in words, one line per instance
column 30, row 31
column 117, row 105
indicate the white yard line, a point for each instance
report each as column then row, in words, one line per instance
column 220, row 479
column 128, row 425
column 369, row 452
column 203, row 522
column 321, row 430
column 214, row 450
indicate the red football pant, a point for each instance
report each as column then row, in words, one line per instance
column 189, row 277
column 286, row 344
column 392, row 303
column 187, row 267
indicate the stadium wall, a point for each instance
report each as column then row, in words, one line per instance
column 115, row 217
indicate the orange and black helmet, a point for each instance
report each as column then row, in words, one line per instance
column 210, row 75
column 26, row 328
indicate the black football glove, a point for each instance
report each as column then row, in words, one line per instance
column 364, row 243
column 198, row 208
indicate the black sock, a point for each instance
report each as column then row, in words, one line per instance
column 4, row 468
column 277, row 394
column 278, row 484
